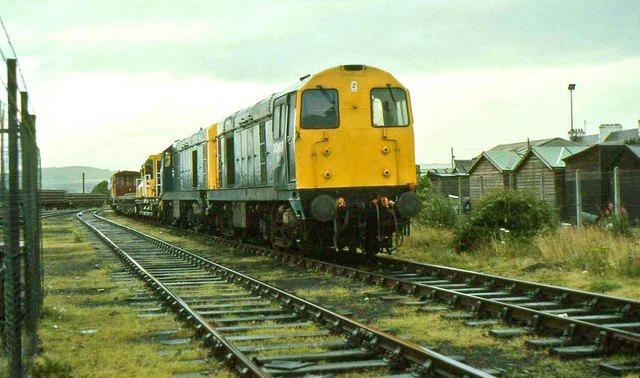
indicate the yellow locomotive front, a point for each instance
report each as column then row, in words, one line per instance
column 355, row 158
column 355, row 130
column 149, row 186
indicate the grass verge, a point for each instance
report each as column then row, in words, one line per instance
column 590, row 258
column 87, row 328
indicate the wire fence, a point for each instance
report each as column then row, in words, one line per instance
column 596, row 194
column 579, row 195
column 21, row 273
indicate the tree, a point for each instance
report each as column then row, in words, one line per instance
column 101, row 188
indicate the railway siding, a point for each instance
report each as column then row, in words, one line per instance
column 571, row 323
column 394, row 312
column 396, row 355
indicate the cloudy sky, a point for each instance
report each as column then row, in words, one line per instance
column 114, row 81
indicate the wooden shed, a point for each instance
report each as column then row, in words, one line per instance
column 596, row 165
column 491, row 172
column 451, row 181
column 542, row 172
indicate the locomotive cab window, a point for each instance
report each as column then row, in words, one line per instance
column 389, row 107
column 320, row 109
column 148, row 167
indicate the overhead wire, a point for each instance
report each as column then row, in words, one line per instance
column 4, row 59
column 24, row 83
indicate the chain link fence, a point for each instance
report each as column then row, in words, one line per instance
column 593, row 195
column 21, row 274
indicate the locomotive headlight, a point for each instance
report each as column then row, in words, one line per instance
column 323, row 208
column 408, row 205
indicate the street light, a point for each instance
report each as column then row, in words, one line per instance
column 571, row 132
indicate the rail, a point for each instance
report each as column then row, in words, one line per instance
column 395, row 351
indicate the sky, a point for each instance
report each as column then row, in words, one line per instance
column 112, row 82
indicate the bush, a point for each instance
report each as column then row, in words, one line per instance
column 436, row 210
column 45, row 366
column 620, row 225
column 507, row 215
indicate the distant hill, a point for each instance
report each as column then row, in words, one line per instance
column 70, row 178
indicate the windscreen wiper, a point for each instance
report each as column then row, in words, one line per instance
column 326, row 95
column 391, row 93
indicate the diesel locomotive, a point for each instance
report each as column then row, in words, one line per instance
column 326, row 163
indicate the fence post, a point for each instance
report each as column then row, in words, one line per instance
column 31, row 230
column 12, row 300
column 459, row 196
column 578, row 200
column 3, row 132
column 616, row 191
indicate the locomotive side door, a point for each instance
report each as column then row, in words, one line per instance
column 291, row 137
column 284, row 141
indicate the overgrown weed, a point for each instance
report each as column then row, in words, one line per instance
column 593, row 250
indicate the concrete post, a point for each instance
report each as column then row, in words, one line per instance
column 616, row 191
column 578, row 200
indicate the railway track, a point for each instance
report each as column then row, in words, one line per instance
column 58, row 213
column 570, row 323
column 259, row 329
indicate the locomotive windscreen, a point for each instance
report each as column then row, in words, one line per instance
column 320, row 109
column 389, row 107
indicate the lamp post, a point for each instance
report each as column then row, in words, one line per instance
column 572, row 131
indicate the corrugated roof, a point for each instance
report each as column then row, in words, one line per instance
column 622, row 135
column 462, row 166
column 502, row 160
column 524, row 146
column 553, row 156
column 635, row 149
column 430, row 166
column 595, row 146
column 587, row 140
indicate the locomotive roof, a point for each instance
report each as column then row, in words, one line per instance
column 194, row 139
column 127, row 173
column 263, row 109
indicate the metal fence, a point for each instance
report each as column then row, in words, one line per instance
column 592, row 195
column 21, row 273
column 579, row 196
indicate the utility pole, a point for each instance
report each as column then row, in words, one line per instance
column 572, row 135
column 82, row 182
